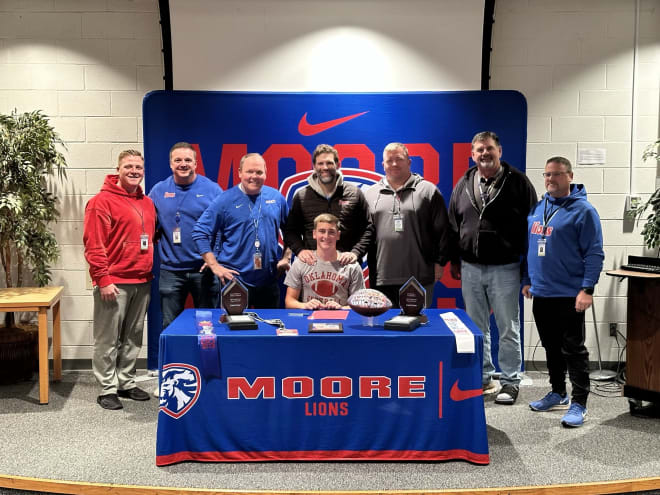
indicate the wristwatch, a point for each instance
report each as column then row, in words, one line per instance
column 588, row 290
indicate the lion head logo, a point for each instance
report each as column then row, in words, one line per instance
column 180, row 387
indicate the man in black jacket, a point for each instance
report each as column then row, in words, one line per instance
column 327, row 192
column 488, row 213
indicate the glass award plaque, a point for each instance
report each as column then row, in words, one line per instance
column 234, row 299
column 412, row 299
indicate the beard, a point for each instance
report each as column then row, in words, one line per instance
column 328, row 178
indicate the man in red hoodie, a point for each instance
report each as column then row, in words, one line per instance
column 118, row 236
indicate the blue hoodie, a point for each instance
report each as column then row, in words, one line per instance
column 190, row 201
column 574, row 245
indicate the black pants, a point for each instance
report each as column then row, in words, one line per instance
column 392, row 293
column 264, row 296
column 561, row 329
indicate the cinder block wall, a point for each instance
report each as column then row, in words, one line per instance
column 87, row 64
column 573, row 61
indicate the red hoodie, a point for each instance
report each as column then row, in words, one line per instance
column 114, row 221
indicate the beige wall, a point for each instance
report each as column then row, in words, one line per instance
column 88, row 63
column 573, row 61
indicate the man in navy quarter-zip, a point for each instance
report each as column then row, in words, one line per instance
column 247, row 220
column 564, row 260
column 488, row 214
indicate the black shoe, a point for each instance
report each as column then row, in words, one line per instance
column 133, row 393
column 109, row 401
column 508, row 395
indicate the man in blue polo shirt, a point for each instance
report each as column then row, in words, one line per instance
column 180, row 200
column 247, row 220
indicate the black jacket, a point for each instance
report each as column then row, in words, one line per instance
column 497, row 234
column 346, row 203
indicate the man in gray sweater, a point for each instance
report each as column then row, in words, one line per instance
column 411, row 228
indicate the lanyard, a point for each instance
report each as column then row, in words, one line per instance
column 485, row 194
column 255, row 221
column 396, row 204
column 547, row 216
column 140, row 214
column 179, row 191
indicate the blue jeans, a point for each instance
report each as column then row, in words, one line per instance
column 174, row 288
column 497, row 287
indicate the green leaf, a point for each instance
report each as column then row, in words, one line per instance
column 29, row 154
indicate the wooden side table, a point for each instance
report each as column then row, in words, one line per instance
column 39, row 299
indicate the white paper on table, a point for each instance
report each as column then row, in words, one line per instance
column 464, row 337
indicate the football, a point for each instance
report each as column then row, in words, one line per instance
column 324, row 288
column 369, row 302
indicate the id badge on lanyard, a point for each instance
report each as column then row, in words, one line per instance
column 176, row 233
column 541, row 247
column 256, row 261
column 256, row 258
column 144, row 242
column 398, row 222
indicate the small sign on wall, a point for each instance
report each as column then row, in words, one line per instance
column 592, row 156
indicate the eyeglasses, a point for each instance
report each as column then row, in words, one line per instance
column 547, row 175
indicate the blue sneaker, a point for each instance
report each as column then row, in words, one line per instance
column 550, row 402
column 575, row 416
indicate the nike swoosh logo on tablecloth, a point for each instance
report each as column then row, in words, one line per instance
column 307, row 129
column 458, row 395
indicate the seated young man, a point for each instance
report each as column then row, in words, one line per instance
column 326, row 284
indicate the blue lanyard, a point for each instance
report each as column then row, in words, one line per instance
column 255, row 221
column 178, row 190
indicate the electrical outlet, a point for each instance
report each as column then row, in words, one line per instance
column 613, row 329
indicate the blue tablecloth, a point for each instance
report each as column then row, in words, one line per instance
column 364, row 394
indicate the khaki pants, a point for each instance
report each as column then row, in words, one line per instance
column 118, row 328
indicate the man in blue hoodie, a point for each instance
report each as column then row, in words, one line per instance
column 180, row 200
column 564, row 260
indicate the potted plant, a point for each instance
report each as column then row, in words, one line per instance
column 29, row 154
column 651, row 229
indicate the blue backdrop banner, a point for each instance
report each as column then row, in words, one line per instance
column 437, row 128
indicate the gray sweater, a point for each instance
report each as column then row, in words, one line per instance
column 396, row 256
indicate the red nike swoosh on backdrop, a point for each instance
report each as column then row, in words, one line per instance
column 458, row 395
column 307, row 129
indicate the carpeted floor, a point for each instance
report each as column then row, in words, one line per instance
column 73, row 439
